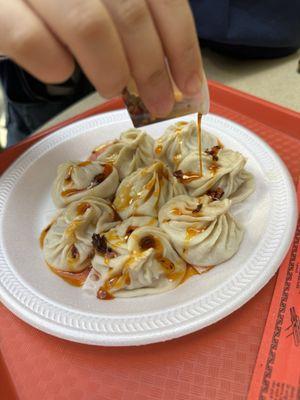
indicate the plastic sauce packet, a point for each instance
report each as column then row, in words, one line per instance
column 140, row 115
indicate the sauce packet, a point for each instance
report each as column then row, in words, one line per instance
column 184, row 105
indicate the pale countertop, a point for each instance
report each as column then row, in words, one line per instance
column 275, row 80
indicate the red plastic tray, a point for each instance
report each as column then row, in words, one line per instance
column 215, row 363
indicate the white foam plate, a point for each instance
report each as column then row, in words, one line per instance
column 31, row 291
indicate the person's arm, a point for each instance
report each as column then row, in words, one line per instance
column 112, row 40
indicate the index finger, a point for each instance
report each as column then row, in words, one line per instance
column 175, row 23
column 86, row 28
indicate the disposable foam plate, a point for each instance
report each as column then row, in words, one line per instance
column 31, row 291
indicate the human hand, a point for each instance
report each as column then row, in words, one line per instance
column 111, row 40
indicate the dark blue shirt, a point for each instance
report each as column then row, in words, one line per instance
column 256, row 23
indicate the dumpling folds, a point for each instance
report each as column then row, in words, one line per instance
column 202, row 230
column 224, row 169
column 146, row 190
column 133, row 150
column 75, row 180
column 67, row 245
column 179, row 140
column 118, row 236
column 152, row 266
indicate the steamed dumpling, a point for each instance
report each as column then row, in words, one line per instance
column 223, row 168
column 146, row 190
column 133, row 150
column 118, row 236
column 179, row 140
column 242, row 186
column 67, row 245
column 75, row 180
column 152, row 266
column 201, row 230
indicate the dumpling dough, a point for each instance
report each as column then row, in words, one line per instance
column 118, row 236
column 67, row 244
column 133, row 150
column 226, row 171
column 75, row 180
column 179, row 140
column 152, row 266
column 146, row 190
column 202, row 231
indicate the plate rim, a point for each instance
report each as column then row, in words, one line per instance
column 149, row 330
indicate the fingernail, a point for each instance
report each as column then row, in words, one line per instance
column 193, row 84
column 161, row 108
column 200, row 91
column 204, row 96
